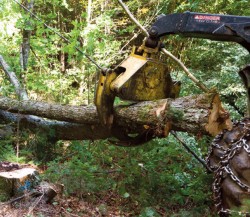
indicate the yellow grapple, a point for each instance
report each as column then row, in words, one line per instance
column 140, row 77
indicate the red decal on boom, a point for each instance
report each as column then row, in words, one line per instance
column 207, row 18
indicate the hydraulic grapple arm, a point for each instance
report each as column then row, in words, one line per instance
column 207, row 26
column 142, row 77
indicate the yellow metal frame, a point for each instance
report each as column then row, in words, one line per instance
column 104, row 98
column 139, row 77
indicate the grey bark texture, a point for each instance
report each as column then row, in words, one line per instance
column 25, row 46
column 201, row 114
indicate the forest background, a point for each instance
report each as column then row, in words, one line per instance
column 158, row 178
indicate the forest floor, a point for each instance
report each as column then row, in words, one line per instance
column 105, row 204
column 60, row 207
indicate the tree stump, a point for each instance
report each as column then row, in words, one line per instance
column 16, row 180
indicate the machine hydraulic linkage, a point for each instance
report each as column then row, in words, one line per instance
column 142, row 76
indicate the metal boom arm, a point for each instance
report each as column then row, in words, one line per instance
column 200, row 25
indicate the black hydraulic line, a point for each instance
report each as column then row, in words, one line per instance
column 61, row 36
column 203, row 162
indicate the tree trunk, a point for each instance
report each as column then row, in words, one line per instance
column 201, row 114
column 89, row 10
column 20, row 91
column 25, row 46
column 15, row 179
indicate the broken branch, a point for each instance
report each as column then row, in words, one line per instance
column 21, row 93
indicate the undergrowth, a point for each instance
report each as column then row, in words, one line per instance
column 159, row 178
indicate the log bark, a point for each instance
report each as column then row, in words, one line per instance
column 33, row 121
column 201, row 114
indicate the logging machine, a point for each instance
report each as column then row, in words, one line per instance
column 143, row 77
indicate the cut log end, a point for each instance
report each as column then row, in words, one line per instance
column 218, row 119
column 15, row 179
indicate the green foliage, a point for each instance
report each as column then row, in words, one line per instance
column 6, row 150
column 149, row 212
column 77, row 170
column 159, row 175
column 40, row 147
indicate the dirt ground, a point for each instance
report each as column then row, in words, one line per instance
column 60, row 207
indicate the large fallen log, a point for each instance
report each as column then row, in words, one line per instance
column 200, row 114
